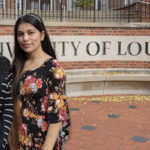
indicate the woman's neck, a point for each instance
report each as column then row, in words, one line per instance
column 35, row 60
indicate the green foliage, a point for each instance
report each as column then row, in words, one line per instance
column 84, row 3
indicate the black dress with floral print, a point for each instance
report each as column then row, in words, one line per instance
column 43, row 101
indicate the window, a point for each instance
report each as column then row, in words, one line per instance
column 101, row 4
column 18, row 4
column 2, row 2
column 129, row 2
column 34, row 5
column 45, row 6
column 24, row 4
column 38, row 4
column 71, row 5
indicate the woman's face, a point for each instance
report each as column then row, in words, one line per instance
column 29, row 38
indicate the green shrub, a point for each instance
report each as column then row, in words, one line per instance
column 84, row 3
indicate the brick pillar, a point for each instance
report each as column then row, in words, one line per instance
column 145, row 10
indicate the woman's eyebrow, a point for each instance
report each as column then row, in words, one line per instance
column 19, row 31
column 26, row 30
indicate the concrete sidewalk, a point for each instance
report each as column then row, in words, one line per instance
column 109, row 123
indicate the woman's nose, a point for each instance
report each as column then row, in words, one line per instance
column 25, row 37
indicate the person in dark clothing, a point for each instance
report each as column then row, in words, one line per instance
column 4, row 67
column 6, row 104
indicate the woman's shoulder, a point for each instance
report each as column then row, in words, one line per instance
column 4, row 64
column 55, row 67
column 53, row 63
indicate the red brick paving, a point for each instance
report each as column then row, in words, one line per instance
column 110, row 134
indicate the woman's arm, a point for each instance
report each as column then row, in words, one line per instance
column 57, row 110
column 51, row 137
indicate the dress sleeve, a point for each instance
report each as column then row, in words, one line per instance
column 57, row 109
column 7, row 111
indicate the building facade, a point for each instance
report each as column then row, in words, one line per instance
column 98, row 57
column 69, row 4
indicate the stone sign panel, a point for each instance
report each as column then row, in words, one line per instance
column 92, row 48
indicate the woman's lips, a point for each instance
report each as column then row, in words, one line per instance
column 26, row 45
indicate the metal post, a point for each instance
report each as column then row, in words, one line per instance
column 3, row 4
column 22, row 7
column 61, row 10
column 94, row 10
column 128, row 10
column 64, row 7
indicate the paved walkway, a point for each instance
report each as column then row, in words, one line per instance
column 109, row 123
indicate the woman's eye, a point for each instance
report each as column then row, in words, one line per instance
column 20, row 34
column 31, row 33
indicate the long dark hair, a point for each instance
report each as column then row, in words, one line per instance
column 17, row 66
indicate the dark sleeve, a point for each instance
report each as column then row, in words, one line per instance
column 4, row 68
column 57, row 105
column 7, row 111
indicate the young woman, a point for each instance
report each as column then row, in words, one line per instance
column 41, row 115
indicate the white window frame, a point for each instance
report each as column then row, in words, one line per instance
column 17, row 6
column 51, row 4
column 39, row 3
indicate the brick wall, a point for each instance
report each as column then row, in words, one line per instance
column 90, row 31
column 146, row 11
column 102, row 32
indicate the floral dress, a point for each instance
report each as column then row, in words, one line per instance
column 43, row 101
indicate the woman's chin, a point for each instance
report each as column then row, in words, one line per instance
column 27, row 51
